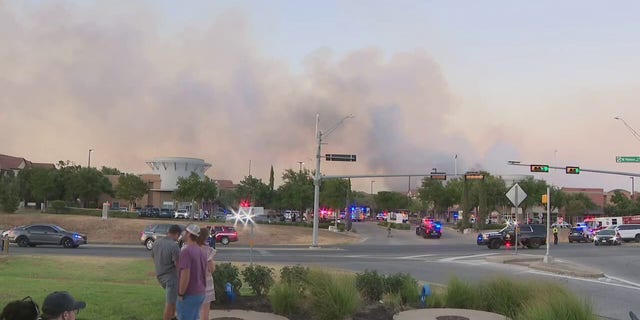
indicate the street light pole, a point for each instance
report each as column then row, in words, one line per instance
column 300, row 163
column 635, row 134
column 633, row 188
column 89, row 161
column 317, row 176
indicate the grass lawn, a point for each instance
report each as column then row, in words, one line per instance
column 113, row 288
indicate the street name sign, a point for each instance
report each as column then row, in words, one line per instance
column 622, row 159
column 516, row 190
column 340, row 157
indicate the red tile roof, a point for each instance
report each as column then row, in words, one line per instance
column 11, row 163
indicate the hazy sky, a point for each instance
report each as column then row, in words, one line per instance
column 239, row 81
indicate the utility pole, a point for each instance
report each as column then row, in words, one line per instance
column 317, row 177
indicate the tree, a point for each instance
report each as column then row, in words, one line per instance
column 334, row 192
column 534, row 189
column 227, row 198
column 432, row 194
column 9, row 197
column 296, row 191
column 42, row 184
column 622, row 206
column 88, row 184
column 253, row 190
column 131, row 188
column 271, row 179
column 578, row 203
column 110, row 171
column 195, row 189
column 63, row 178
column 391, row 200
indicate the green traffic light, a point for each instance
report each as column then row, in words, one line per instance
column 539, row 168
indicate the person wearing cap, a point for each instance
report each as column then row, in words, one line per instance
column 60, row 305
column 192, row 268
column 165, row 254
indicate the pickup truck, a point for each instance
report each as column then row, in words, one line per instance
column 530, row 235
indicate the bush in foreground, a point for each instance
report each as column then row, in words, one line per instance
column 285, row 299
column 554, row 302
column 259, row 278
column 225, row 272
column 332, row 296
column 371, row 285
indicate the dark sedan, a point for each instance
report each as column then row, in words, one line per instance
column 607, row 236
column 39, row 234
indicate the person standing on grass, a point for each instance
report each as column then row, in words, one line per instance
column 165, row 254
column 192, row 268
column 210, row 294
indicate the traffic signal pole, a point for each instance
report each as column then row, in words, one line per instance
column 547, row 258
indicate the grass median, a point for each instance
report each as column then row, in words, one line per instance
column 113, row 288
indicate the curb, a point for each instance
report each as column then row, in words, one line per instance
column 557, row 266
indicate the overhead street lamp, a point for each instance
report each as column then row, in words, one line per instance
column 316, row 179
column 634, row 132
column 89, row 161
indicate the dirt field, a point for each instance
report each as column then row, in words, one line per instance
column 127, row 231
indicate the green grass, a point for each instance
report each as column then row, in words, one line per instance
column 113, row 288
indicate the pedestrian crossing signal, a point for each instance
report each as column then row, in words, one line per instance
column 539, row 168
column 573, row 170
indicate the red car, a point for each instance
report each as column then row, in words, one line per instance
column 225, row 234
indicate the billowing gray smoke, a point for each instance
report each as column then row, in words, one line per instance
column 75, row 77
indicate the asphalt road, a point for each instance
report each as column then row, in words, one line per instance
column 435, row 261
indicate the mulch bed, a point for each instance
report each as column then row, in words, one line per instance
column 261, row 304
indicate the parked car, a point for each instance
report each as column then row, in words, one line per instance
column 153, row 232
column 39, row 234
column 181, row 214
column 166, row 213
column 149, row 212
column 629, row 232
column 225, row 234
column 607, row 236
column 579, row 235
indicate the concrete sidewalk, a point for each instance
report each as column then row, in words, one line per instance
column 434, row 314
column 242, row 315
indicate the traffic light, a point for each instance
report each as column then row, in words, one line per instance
column 573, row 170
column 544, row 199
column 473, row 175
column 539, row 168
column 438, row 176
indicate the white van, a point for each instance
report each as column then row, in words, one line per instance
column 629, row 232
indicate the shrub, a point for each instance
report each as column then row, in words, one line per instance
column 295, row 276
column 435, row 300
column 332, row 296
column 58, row 206
column 409, row 292
column 393, row 301
column 123, row 214
column 507, row 296
column 84, row 212
column 371, row 285
column 461, row 295
column 259, row 278
column 285, row 299
column 556, row 303
column 225, row 272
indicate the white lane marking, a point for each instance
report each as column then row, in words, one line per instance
column 584, row 279
column 451, row 259
column 623, row 281
column 417, row 257
column 264, row 252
